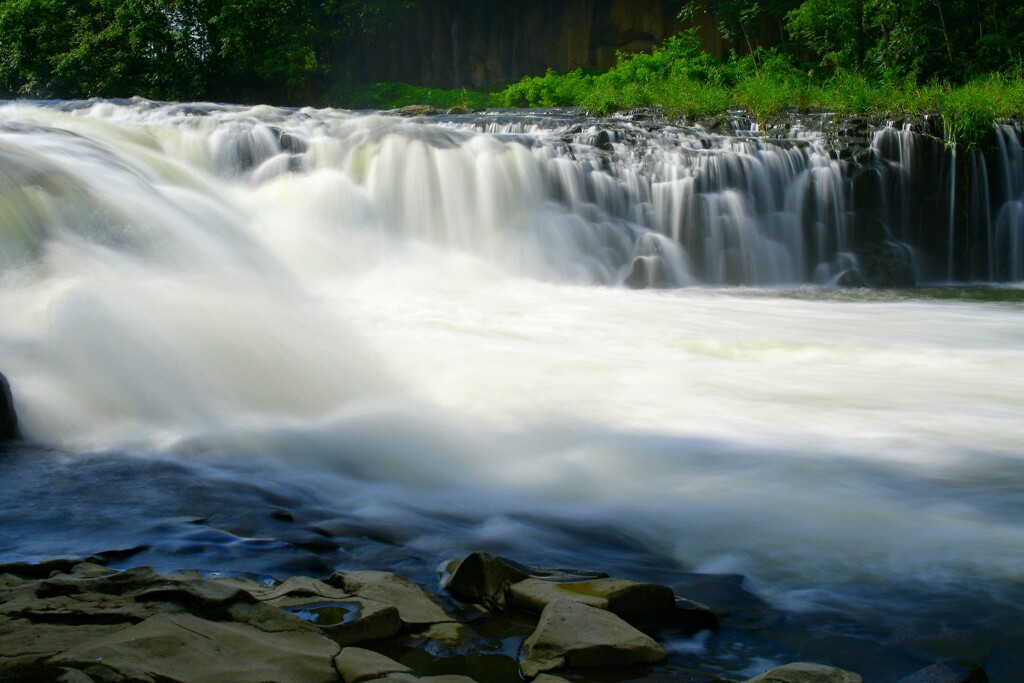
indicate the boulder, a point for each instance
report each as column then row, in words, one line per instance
column 8, row 416
column 882, row 261
column 357, row 665
column 806, row 672
column 415, row 110
column 574, row 634
column 415, row 607
column 630, row 600
column 480, row 575
column 948, row 672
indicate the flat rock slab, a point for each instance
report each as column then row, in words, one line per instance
column 183, row 647
column 415, row 606
column 630, row 600
column 806, row 672
column 571, row 633
column 357, row 665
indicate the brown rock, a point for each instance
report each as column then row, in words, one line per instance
column 571, row 633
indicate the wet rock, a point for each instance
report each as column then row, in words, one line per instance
column 182, row 647
column 851, row 278
column 574, row 634
column 415, row 110
column 948, row 672
column 458, row 111
column 882, row 261
column 889, row 264
column 481, row 575
column 8, row 416
column 603, row 142
column 806, row 672
column 645, row 273
column 357, row 665
column 628, row 599
column 415, row 607
column 346, row 618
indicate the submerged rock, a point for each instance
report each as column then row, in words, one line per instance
column 806, row 672
column 948, row 672
column 574, row 634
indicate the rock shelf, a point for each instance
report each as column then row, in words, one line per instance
column 82, row 622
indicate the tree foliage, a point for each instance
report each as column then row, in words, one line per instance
column 257, row 50
column 951, row 40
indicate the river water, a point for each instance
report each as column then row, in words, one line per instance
column 274, row 341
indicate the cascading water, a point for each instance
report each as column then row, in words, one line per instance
column 212, row 313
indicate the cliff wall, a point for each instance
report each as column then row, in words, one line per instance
column 467, row 43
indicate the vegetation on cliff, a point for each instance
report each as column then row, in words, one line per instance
column 685, row 81
column 962, row 58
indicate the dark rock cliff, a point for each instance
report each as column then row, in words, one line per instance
column 466, row 43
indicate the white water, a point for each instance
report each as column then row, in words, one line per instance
column 409, row 305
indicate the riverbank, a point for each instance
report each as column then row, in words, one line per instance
column 496, row 622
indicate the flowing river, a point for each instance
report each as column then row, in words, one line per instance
column 275, row 341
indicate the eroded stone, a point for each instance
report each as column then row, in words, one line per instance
column 415, row 606
column 186, row 648
column 571, row 633
column 357, row 665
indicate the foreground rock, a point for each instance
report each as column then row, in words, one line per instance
column 81, row 622
column 146, row 626
column 573, row 634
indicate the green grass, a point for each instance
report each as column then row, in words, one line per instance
column 682, row 80
column 395, row 95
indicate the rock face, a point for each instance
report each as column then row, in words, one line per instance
column 464, row 43
column 573, row 634
column 8, row 416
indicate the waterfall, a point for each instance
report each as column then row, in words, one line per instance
column 554, row 197
column 423, row 336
